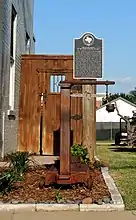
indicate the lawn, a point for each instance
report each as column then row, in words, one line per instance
column 122, row 162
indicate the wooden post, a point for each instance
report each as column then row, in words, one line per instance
column 94, row 120
column 65, row 130
column 89, row 121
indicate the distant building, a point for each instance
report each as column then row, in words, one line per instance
column 107, row 124
column 99, row 99
column 16, row 38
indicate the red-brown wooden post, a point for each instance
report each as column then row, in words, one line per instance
column 65, row 129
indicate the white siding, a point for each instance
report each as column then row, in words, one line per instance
column 24, row 9
column 125, row 109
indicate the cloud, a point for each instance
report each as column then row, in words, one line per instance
column 124, row 80
column 127, row 79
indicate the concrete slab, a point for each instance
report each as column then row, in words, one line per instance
column 56, row 207
column 73, row 215
column 42, row 160
column 4, row 164
column 39, row 160
column 101, row 208
column 6, row 215
column 115, row 195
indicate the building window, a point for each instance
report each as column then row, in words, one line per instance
column 13, row 32
column 27, row 44
column 12, row 57
column 54, row 82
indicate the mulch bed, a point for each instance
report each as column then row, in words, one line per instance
column 28, row 190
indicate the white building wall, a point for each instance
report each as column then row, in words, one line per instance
column 124, row 108
column 24, row 9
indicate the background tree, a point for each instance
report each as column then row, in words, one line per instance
column 131, row 96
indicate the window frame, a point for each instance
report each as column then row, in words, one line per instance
column 12, row 58
column 27, row 43
column 63, row 77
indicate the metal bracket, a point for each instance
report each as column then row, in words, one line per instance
column 43, row 97
column 76, row 117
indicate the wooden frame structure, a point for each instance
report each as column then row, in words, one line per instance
column 36, row 71
column 69, row 172
column 56, row 111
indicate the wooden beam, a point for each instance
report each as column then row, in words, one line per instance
column 88, row 82
column 65, row 130
column 89, row 121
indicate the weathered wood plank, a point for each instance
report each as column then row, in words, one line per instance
column 35, row 79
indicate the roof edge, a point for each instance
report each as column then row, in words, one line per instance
column 114, row 100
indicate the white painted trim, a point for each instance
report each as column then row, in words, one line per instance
column 12, row 70
column 15, row 37
column 3, row 135
column 12, row 87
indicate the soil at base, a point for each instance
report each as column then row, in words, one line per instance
column 29, row 189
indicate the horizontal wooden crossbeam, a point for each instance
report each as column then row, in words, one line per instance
column 86, row 95
column 87, row 82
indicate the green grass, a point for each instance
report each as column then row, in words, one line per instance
column 123, row 171
column 107, row 142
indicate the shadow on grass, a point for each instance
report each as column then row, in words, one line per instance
column 123, row 149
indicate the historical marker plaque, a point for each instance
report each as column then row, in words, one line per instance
column 87, row 57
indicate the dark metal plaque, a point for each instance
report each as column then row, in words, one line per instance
column 76, row 117
column 87, row 57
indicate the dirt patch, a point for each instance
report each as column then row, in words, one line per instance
column 29, row 189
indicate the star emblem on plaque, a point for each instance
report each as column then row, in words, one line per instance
column 88, row 39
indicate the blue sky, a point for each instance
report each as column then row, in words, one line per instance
column 57, row 22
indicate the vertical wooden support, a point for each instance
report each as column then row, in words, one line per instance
column 94, row 120
column 89, row 121
column 65, row 130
